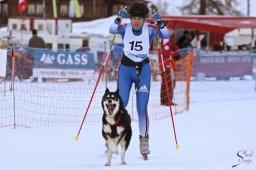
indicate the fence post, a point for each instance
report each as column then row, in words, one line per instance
column 12, row 85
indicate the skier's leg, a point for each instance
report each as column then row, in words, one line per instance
column 124, row 83
column 142, row 95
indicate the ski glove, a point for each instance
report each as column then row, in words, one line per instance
column 156, row 17
column 122, row 13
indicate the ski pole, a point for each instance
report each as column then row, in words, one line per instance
column 166, row 83
column 101, row 71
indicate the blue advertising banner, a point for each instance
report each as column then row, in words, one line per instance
column 62, row 59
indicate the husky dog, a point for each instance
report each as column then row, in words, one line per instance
column 116, row 125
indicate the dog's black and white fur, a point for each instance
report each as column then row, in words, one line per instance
column 116, row 127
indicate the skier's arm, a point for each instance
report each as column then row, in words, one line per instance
column 114, row 26
column 163, row 31
column 121, row 14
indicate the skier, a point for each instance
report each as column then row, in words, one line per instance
column 134, row 68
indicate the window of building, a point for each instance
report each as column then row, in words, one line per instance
column 63, row 10
column 82, row 10
column 4, row 10
column 40, row 27
column 49, row 45
column 31, row 9
column 14, row 26
column 39, row 9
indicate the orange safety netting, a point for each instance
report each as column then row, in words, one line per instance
column 39, row 92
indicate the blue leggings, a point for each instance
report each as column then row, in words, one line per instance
column 126, row 76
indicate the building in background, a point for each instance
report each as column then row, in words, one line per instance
column 90, row 9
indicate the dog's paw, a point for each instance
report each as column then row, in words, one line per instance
column 107, row 164
column 123, row 163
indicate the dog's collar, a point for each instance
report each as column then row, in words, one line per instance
column 118, row 119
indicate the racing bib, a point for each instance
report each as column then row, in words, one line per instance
column 136, row 44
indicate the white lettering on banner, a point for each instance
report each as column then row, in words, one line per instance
column 246, row 59
column 84, row 59
column 67, row 73
column 60, row 58
column 233, row 59
column 68, row 59
column 77, row 59
column 219, row 60
column 237, row 59
column 3, row 61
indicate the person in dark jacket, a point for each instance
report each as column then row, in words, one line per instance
column 36, row 41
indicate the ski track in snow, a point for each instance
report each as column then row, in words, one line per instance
column 220, row 123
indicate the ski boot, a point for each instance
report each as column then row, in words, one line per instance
column 144, row 147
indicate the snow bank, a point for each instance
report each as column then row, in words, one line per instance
column 99, row 26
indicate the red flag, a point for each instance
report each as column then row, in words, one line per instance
column 22, row 6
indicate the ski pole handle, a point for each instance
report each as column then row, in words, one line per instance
column 118, row 26
column 157, row 29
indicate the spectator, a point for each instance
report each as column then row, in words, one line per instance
column 182, row 39
column 170, row 56
column 217, row 46
column 204, row 43
column 169, row 69
column 187, row 40
column 34, row 42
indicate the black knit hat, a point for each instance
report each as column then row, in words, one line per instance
column 138, row 9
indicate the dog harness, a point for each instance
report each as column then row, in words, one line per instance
column 138, row 65
column 118, row 120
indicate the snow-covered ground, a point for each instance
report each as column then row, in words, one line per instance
column 219, row 125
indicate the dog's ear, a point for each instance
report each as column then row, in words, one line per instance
column 107, row 90
column 121, row 102
column 117, row 92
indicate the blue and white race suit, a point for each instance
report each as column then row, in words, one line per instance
column 136, row 48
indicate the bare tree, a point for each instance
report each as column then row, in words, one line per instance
column 161, row 7
column 202, row 10
column 211, row 7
